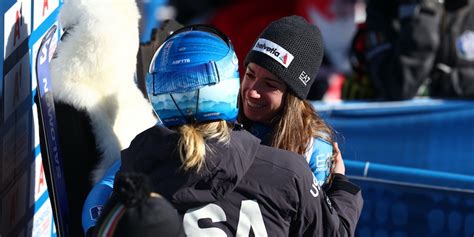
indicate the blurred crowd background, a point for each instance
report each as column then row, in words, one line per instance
column 243, row 20
column 374, row 50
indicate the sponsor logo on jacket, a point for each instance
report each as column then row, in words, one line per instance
column 465, row 45
column 95, row 212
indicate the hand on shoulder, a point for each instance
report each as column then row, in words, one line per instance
column 339, row 167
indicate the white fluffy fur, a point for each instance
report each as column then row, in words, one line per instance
column 94, row 71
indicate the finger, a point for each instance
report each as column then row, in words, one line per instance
column 338, row 151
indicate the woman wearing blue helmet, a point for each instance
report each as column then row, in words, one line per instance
column 218, row 176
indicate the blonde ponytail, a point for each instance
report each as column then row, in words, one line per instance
column 192, row 144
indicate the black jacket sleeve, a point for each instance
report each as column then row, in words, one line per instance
column 402, row 41
column 345, row 199
column 453, row 75
column 334, row 213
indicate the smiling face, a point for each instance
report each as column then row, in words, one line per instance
column 262, row 94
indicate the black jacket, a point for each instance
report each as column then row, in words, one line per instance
column 245, row 187
column 453, row 73
column 80, row 156
column 420, row 47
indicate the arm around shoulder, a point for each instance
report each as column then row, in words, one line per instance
column 346, row 200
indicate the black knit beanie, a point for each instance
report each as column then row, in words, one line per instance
column 132, row 211
column 291, row 49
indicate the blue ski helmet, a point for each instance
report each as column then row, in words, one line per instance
column 193, row 77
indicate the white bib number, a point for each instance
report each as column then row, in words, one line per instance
column 250, row 217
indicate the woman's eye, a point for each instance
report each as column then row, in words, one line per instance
column 271, row 85
column 250, row 75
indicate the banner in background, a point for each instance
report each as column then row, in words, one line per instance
column 413, row 161
column 25, row 205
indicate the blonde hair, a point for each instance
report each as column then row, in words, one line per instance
column 192, row 144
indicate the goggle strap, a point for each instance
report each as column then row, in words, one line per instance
column 211, row 68
column 197, row 77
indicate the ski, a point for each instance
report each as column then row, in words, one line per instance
column 52, row 158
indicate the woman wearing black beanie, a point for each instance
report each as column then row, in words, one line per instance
column 280, row 69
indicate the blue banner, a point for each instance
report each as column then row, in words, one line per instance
column 413, row 161
column 436, row 135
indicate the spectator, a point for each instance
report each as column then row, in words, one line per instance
column 420, row 48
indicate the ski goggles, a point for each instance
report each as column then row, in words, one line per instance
column 194, row 77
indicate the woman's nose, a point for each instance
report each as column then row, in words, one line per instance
column 253, row 93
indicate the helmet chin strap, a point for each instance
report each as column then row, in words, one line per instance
column 197, row 104
column 189, row 119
